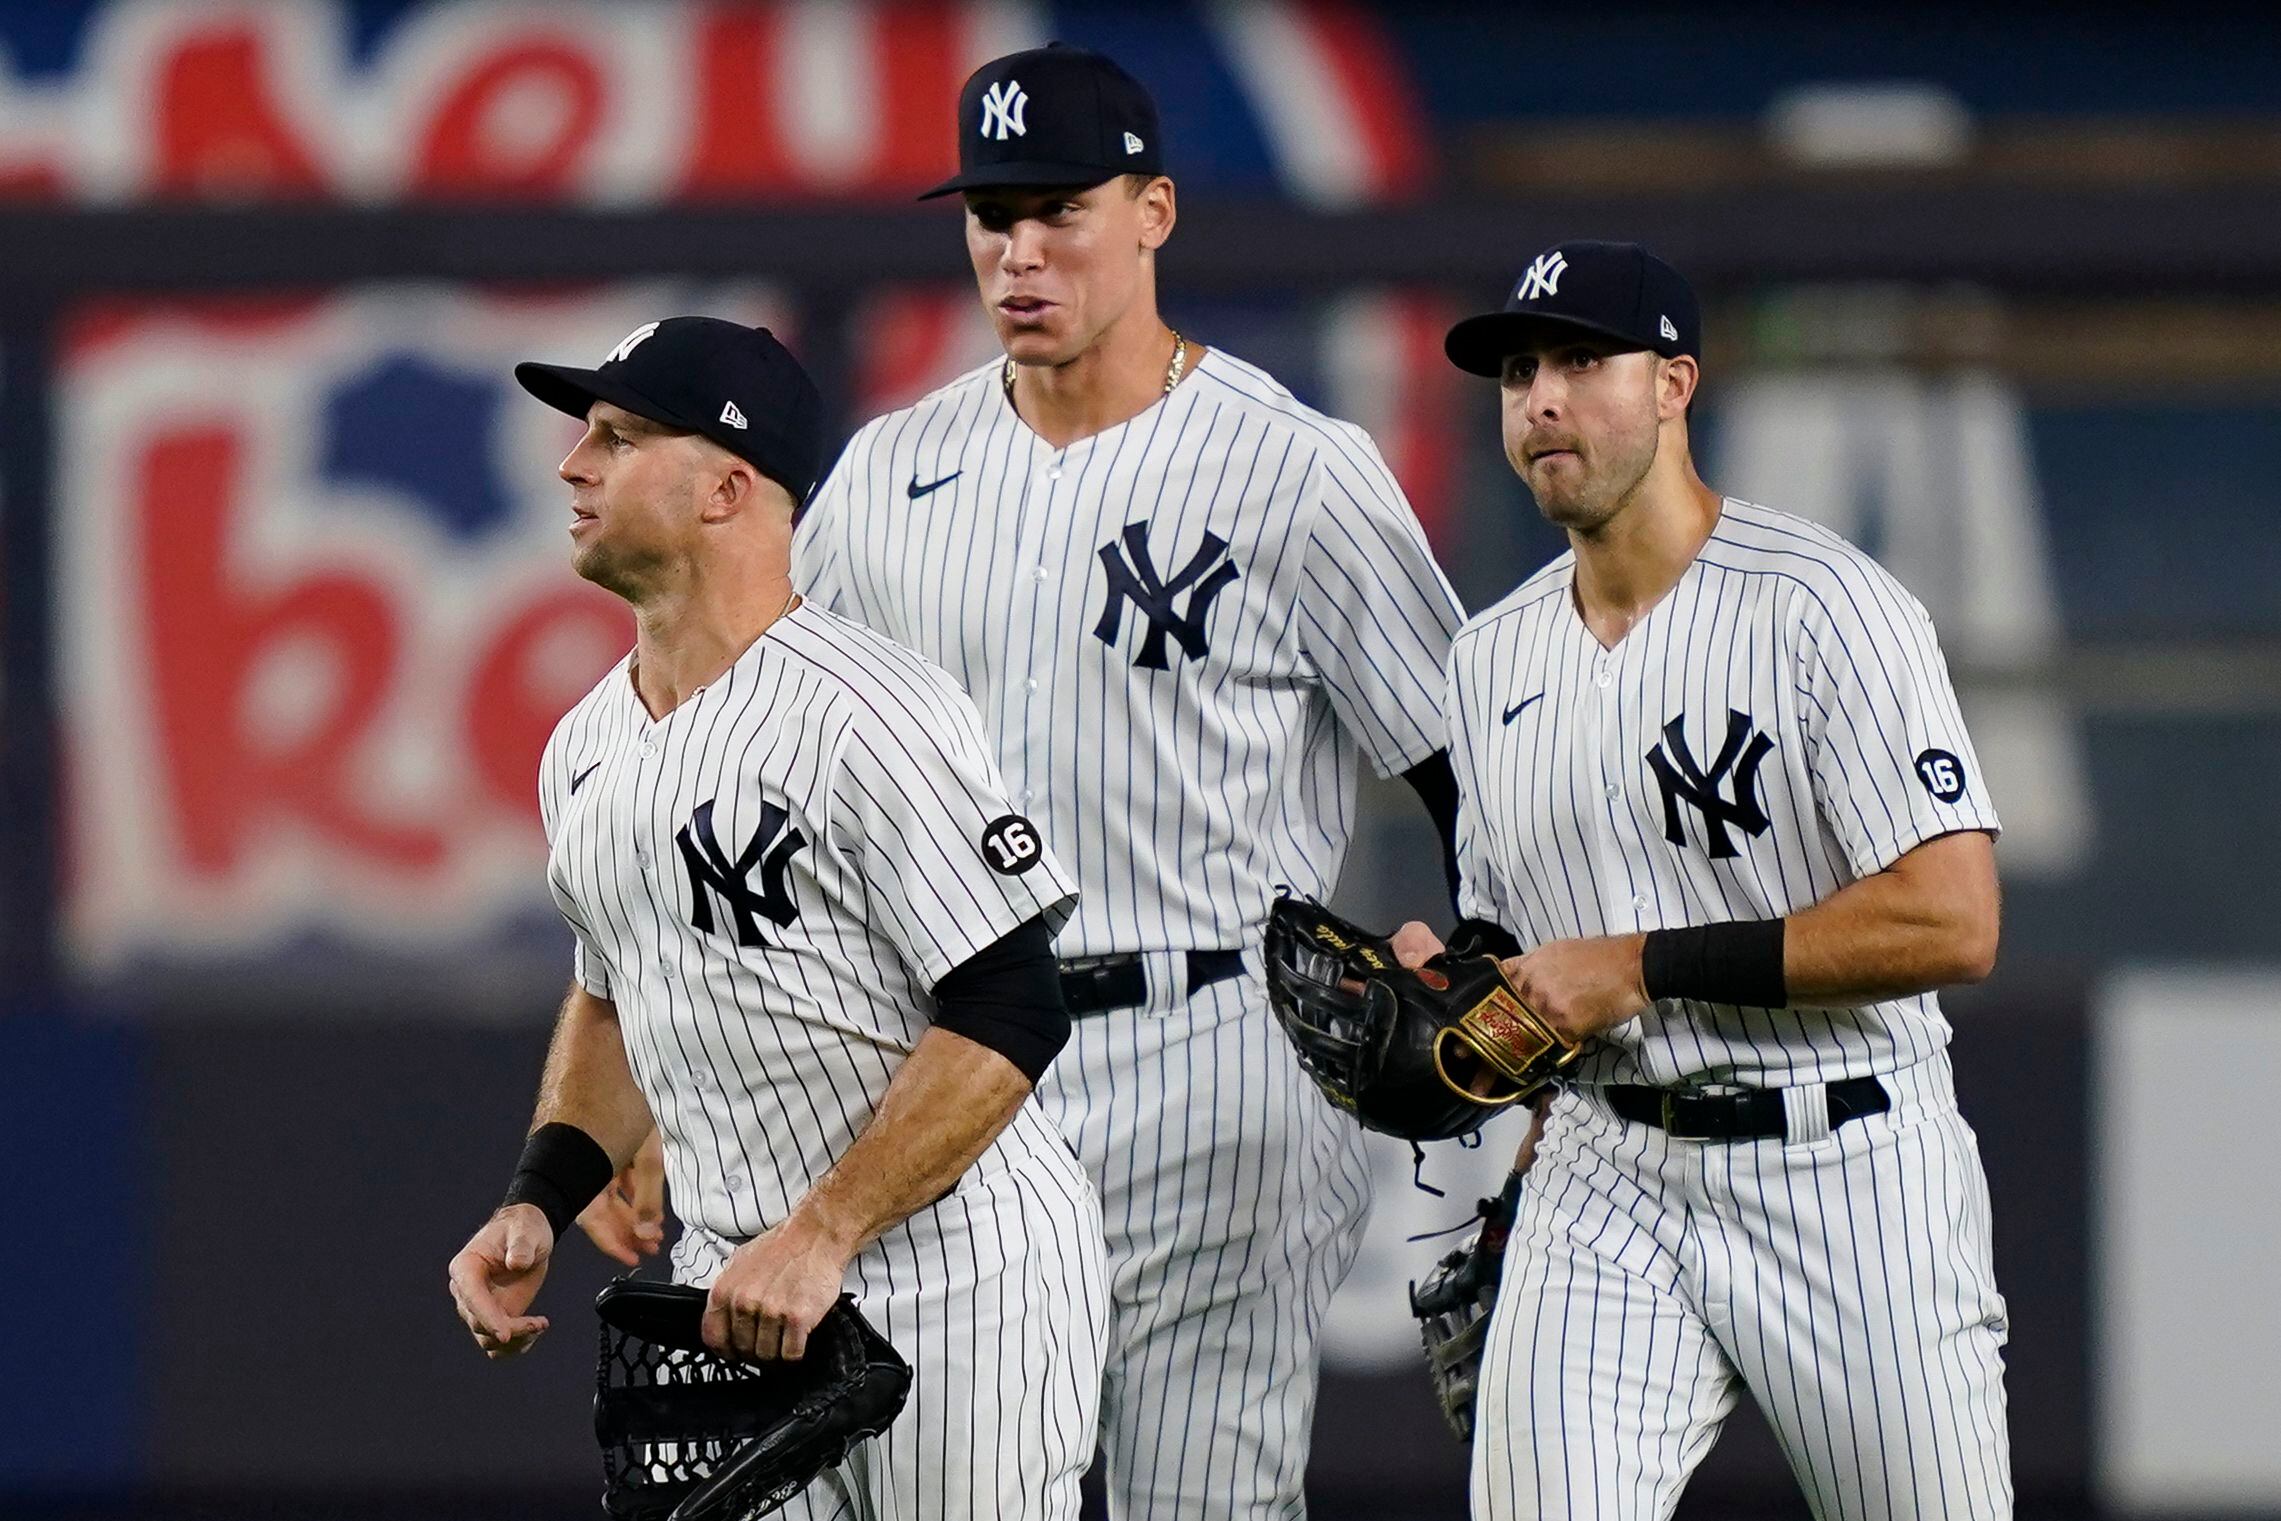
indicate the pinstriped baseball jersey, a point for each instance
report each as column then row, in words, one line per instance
column 1199, row 617
column 768, row 882
column 1778, row 725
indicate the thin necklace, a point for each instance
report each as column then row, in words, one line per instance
column 1172, row 371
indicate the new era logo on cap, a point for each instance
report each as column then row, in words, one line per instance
column 1670, row 333
column 1133, row 144
column 731, row 416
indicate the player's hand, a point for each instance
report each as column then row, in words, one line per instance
column 775, row 1289
column 497, row 1275
column 1581, row 987
column 626, row 1221
column 1415, row 945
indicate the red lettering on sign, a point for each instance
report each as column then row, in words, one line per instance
column 517, row 124
column 220, row 133
column 735, row 147
column 231, row 773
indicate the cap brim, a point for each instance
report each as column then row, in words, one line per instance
column 1481, row 345
column 572, row 390
column 1029, row 176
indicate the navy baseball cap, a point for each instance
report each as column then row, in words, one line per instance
column 1612, row 290
column 1055, row 115
column 734, row 384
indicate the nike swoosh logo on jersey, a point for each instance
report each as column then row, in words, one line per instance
column 579, row 780
column 914, row 491
column 1514, row 711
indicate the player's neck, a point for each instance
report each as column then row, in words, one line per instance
column 688, row 634
column 1115, row 380
column 1629, row 563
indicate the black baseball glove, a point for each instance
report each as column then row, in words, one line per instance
column 1424, row 1054
column 1452, row 1307
column 689, row 1435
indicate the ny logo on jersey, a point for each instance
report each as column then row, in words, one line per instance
column 1543, row 278
column 1002, row 107
column 1133, row 578
column 1680, row 778
column 771, row 848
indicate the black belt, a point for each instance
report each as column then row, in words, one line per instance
column 1098, row 984
column 1753, row 1115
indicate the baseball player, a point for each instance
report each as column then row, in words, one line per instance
column 1186, row 606
column 1713, row 777
column 814, row 941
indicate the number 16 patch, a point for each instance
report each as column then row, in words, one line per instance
column 1010, row 845
column 1942, row 774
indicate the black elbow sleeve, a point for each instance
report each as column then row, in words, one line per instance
column 1007, row 996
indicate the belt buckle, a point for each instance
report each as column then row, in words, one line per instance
column 1668, row 1100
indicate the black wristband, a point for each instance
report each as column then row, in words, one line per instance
column 1738, row 962
column 561, row 1170
column 1482, row 937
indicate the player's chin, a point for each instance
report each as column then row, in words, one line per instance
column 1034, row 340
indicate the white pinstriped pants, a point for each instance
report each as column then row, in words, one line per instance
column 996, row 1297
column 1844, row 1281
column 1233, row 1198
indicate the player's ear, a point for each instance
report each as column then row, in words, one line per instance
column 731, row 486
column 1675, row 386
column 1159, row 210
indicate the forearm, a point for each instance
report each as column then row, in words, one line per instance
column 947, row 1103
column 1880, row 938
column 587, row 1082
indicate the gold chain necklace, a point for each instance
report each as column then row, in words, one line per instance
column 1172, row 371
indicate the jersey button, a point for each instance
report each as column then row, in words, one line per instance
column 649, row 749
column 1039, row 573
column 735, row 1183
column 1639, row 902
column 1614, row 792
column 1054, row 474
column 1604, row 677
column 641, row 859
column 1030, row 685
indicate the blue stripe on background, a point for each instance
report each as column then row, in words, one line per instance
column 71, row 1118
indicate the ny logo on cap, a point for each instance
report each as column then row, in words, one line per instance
column 1002, row 106
column 731, row 416
column 1543, row 278
column 629, row 343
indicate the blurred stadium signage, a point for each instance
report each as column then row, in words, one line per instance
column 637, row 104
column 314, row 616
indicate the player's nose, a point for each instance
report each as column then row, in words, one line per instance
column 1025, row 246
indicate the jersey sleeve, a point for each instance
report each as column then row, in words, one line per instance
column 1482, row 893
column 1375, row 612
column 1891, row 762
column 818, row 567
column 919, row 810
column 586, row 965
